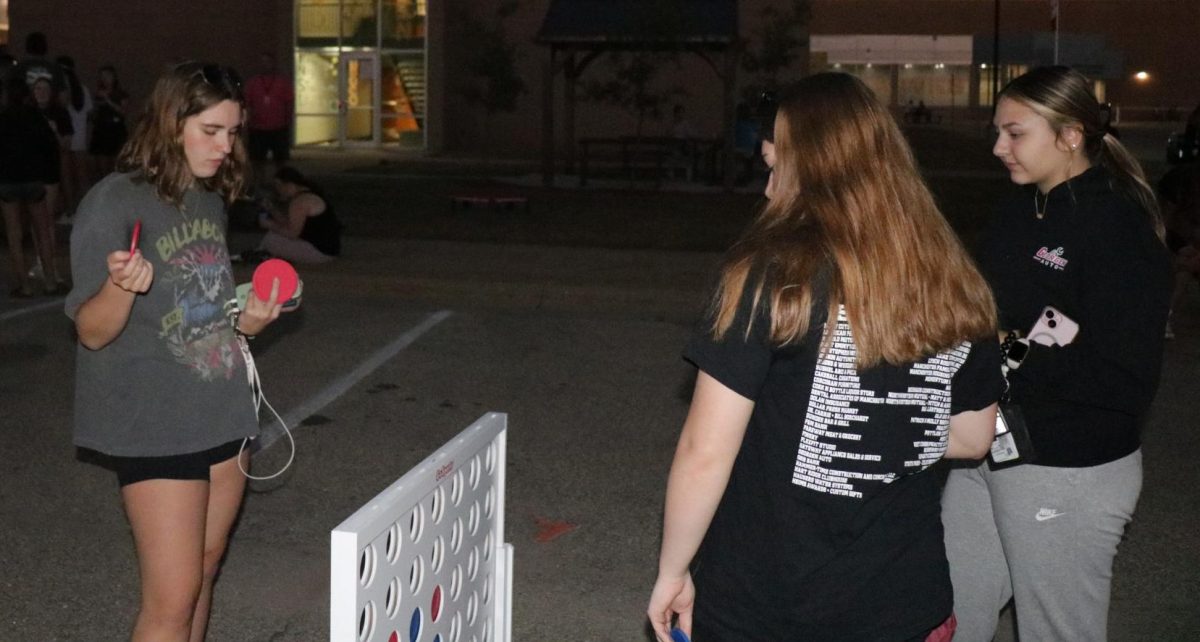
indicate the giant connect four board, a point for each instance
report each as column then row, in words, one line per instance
column 425, row 560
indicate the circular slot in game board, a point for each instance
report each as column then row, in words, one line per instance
column 366, row 622
column 367, row 564
column 391, row 602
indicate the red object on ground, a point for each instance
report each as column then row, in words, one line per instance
column 270, row 270
column 549, row 529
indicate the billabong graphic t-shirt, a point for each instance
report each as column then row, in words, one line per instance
column 830, row 527
column 174, row 381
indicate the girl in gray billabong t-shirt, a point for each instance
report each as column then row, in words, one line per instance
column 162, row 395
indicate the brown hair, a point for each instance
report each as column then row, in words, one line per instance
column 155, row 151
column 849, row 201
column 1064, row 98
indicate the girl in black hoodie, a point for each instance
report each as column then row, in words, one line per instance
column 1083, row 235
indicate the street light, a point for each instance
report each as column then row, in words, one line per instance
column 1142, row 76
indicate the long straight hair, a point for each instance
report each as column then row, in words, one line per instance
column 849, row 202
column 1064, row 98
column 155, row 150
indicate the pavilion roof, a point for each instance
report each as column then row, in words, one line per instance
column 640, row 24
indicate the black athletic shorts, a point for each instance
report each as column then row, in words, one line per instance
column 131, row 470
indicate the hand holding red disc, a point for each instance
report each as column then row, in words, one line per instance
column 270, row 270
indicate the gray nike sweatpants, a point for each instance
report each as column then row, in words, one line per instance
column 1045, row 537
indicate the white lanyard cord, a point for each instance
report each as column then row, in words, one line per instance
column 259, row 401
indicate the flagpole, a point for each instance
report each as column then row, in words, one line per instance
column 1054, row 11
column 996, row 54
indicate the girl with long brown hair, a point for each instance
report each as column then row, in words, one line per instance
column 1077, row 245
column 162, row 393
column 850, row 346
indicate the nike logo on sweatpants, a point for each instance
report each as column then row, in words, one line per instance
column 1046, row 513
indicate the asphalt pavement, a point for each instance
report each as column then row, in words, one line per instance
column 579, row 346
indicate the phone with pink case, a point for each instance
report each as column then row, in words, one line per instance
column 1053, row 328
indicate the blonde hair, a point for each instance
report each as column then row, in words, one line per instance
column 1064, row 98
column 154, row 150
column 849, row 201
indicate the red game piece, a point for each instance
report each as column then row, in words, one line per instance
column 270, row 270
column 137, row 232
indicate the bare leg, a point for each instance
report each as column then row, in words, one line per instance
column 168, row 519
column 224, row 501
column 53, row 202
column 14, row 233
column 42, row 222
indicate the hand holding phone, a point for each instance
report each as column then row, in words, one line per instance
column 1053, row 328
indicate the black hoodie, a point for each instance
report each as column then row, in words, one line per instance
column 1095, row 257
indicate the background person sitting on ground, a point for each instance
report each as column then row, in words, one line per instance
column 304, row 229
column 28, row 154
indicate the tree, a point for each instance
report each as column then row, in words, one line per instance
column 493, row 84
column 780, row 43
column 634, row 84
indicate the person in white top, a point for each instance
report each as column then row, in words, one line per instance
column 78, row 101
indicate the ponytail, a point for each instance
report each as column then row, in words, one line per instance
column 1117, row 159
column 1064, row 97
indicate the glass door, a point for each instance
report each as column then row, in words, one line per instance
column 358, row 106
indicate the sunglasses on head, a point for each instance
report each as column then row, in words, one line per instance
column 218, row 76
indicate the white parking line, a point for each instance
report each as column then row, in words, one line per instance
column 344, row 383
column 37, row 307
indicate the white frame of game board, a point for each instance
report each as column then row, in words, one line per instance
column 349, row 539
